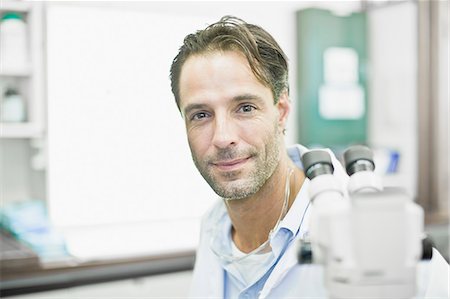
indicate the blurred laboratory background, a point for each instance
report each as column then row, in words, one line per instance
column 99, row 196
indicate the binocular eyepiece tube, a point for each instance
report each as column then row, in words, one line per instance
column 358, row 158
column 317, row 162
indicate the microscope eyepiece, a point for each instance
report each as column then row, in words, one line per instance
column 358, row 158
column 317, row 162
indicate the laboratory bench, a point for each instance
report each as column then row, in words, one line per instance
column 21, row 272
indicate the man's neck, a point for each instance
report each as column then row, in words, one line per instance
column 255, row 216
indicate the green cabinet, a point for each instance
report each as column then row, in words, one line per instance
column 337, row 117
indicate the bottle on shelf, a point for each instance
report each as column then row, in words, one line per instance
column 13, row 107
column 13, row 42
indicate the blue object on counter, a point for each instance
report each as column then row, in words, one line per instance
column 393, row 162
column 28, row 222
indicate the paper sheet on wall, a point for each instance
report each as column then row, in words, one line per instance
column 341, row 97
column 341, row 103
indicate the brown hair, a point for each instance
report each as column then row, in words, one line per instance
column 267, row 61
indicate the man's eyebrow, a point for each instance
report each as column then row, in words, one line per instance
column 247, row 97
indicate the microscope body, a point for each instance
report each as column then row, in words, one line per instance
column 368, row 238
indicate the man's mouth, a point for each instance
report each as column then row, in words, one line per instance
column 229, row 165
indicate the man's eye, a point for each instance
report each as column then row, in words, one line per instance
column 246, row 108
column 199, row 116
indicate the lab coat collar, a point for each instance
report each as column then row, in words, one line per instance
column 295, row 220
column 288, row 261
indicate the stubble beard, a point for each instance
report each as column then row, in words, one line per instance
column 235, row 185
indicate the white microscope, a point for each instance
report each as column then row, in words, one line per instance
column 368, row 238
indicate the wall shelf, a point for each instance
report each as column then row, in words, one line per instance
column 20, row 130
column 18, row 72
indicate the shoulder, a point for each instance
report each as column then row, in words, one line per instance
column 207, row 271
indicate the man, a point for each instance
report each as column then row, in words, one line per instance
column 230, row 82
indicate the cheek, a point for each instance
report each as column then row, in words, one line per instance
column 259, row 131
column 198, row 141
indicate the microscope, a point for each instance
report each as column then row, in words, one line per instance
column 369, row 239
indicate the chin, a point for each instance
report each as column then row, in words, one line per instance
column 236, row 190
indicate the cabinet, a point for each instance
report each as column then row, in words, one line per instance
column 22, row 144
column 169, row 285
column 332, row 99
column 27, row 80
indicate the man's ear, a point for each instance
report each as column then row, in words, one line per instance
column 284, row 107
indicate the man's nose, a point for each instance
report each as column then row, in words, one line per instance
column 224, row 133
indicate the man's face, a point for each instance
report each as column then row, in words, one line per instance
column 233, row 126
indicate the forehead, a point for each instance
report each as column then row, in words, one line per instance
column 218, row 75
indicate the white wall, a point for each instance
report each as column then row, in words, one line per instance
column 393, row 72
column 443, row 129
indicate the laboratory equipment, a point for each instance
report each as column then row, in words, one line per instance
column 368, row 238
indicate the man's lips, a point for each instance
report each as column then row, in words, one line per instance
column 228, row 165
